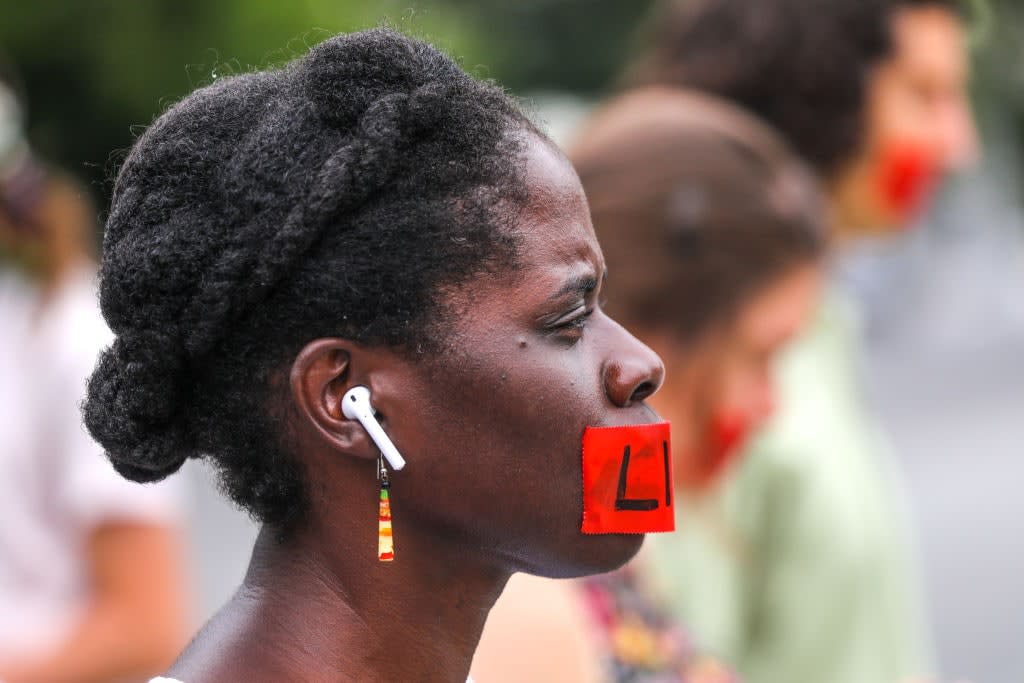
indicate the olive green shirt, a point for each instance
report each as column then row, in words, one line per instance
column 798, row 568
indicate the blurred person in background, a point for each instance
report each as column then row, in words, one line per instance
column 800, row 568
column 91, row 569
column 714, row 234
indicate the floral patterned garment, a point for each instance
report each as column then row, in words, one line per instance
column 642, row 644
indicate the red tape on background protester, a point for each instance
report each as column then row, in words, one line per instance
column 907, row 175
column 627, row 480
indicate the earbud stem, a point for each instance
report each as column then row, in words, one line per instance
column 355, row 405
column 387, row 448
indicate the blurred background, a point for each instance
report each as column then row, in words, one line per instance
column 943, row 304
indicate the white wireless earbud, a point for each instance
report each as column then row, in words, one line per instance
column 356, row 406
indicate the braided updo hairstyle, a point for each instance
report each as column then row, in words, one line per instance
column 333, row 197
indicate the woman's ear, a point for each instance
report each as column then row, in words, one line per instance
column 320, row 375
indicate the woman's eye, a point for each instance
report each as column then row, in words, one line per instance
column 574, row 324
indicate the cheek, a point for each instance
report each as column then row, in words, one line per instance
column 746, row 402
column 503, row 446
column 740, row 387
column 500, row 467
column 729, row 431
column 760, row 403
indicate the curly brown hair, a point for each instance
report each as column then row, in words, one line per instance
column 801, row 65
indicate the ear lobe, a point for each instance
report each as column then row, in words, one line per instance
column 320, row 376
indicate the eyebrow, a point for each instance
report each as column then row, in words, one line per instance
column 579, row 284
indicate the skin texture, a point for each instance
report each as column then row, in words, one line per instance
column 491, row 429
column 917, row 103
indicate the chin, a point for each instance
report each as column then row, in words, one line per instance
column 588, row 554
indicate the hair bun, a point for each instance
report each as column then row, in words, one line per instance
column 343, row 76
column 132, row 406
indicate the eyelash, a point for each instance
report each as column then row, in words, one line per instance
column 578, row 323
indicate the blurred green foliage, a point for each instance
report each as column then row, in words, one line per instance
column 998, row 56
column 96, row 72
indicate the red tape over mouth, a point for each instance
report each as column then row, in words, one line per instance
column 627, row 480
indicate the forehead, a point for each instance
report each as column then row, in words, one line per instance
column 555, row 222
column 557, row 251
column 930, row 39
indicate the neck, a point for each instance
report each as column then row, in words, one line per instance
column 319, row 606
column 845, row 217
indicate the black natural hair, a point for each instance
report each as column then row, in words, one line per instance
column 801, row 65
column 333, row 197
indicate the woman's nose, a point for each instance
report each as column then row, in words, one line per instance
column 633, row 371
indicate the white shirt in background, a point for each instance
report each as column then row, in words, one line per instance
column 56, row 486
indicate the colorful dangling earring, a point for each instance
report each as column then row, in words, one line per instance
column 385, row 541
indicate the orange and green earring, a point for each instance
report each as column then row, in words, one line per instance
column 385, row 541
